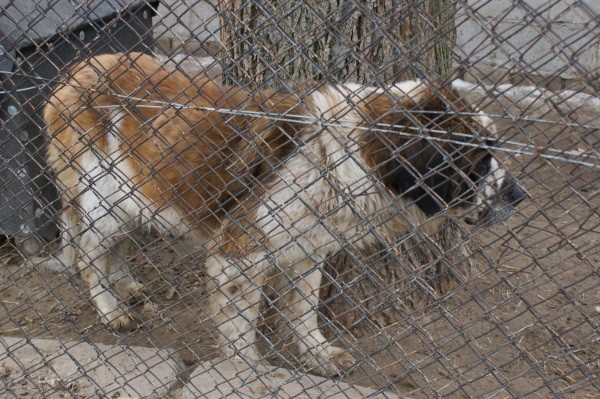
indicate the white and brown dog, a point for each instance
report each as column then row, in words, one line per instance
column 272, row 181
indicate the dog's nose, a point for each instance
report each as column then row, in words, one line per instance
column 515, row 194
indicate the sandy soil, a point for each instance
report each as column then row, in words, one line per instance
column 526, row 324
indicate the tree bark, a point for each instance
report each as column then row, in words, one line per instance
column 363, row 41
column 373, row 42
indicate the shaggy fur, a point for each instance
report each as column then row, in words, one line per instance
column 134, row 142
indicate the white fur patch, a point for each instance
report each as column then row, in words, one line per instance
column 108, row 194
column 317, row 205
column 492, row 183
column 486, row 122
column 414, row 89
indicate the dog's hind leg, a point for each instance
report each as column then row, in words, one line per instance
column 106, row 209
column 65, row 260
column 96, row 243
column 119, row 274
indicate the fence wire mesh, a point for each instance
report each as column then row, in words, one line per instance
column 299, row 198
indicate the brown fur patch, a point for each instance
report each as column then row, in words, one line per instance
column 183, row 150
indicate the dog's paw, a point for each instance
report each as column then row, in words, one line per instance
column 119, row 320
column 328, row 362
column 131, row 291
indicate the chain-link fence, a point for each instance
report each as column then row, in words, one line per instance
column 299, row 198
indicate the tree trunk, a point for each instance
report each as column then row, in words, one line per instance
column 364, row 41
column 373, row 42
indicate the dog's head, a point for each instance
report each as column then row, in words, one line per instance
column 435, row 151
column 492, row 194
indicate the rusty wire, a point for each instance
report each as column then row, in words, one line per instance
column 509, row 310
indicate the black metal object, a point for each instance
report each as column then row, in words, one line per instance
column 30, row 65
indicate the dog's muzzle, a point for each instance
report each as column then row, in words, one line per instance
column 501, row 206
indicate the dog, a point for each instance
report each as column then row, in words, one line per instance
column 269, row 183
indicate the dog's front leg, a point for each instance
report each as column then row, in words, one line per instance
column 236, row 287
column 301, row 304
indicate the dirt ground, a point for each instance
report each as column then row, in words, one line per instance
column 525, row 324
